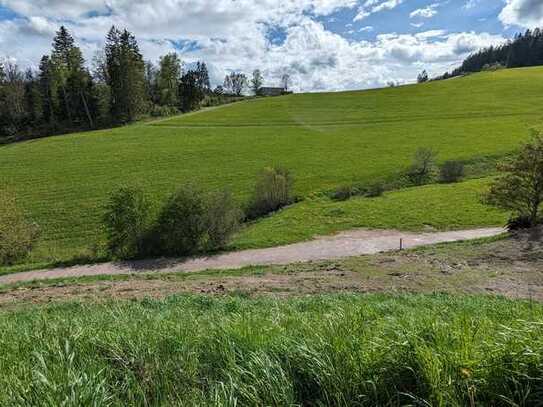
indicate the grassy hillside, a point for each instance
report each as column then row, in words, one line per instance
column 326, row 139
column 335, row 350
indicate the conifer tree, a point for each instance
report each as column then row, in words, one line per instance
column 126, row 75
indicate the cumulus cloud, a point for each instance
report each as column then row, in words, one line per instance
column 235, row 35
column 523, row 13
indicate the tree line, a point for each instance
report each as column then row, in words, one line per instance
column 526, row 49
column 64, row 95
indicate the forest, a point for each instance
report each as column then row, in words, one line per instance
column 64, row 95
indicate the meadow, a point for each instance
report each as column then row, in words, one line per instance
column 327, row 140
column 333, row 350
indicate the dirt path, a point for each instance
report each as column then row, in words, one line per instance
column 347, row 244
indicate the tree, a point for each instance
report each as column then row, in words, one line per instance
column 67, row 70
column 127, row 221
column 423, row 166
column 190, row 93
column 202, row 77
column 151, row 85
column 167, row 80
column 519, row 188
column 285, row 82
column 33, row 99
column 47, row 90
column 235, row 83
column 126, row 75
column 257, row 81
column 12, row 102
column 423, row 77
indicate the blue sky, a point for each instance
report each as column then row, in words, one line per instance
column 322, row 44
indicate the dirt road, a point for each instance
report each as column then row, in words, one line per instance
column 347, row 244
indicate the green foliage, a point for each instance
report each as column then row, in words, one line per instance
column 127, row 220
column 273, row 190
column 336, row 350
column 451, row 171
column 181, row 225
column 223, row 217
column 17, row 235
column 125, row 75
column 168, row 78
column 423, row 168
column 519, row 188
column 163, row 111
column 346, row 192
column 257, row 81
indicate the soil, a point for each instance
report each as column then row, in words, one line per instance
column 347, row 244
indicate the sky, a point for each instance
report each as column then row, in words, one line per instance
column 324, row 45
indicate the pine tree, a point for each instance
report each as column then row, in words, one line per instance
column 72, row 80
column 126, row 76
column 46, row 90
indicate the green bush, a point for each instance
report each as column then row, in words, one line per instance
column 451, row 171
column 163, row 111
column 127, row 219
column 182, row 223
column 17, row 235
column 422, row 170
column 375, row 190
column 223, row 217
column 343, row 193
column 273, row 191
column 346, row 192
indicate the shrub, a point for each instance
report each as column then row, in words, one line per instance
column 163, row 111
column 17, row 235
column 375, row 190
column 451, row 171
column 343, row 193
column 223, row 218
column 182, row 224
column 423, row 167
column 127, row 220
column 273, row 191
column 519, row 188
column 346, row 192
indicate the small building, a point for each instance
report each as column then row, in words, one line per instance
column 268, row 91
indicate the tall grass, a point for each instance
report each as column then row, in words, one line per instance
column 327, row 350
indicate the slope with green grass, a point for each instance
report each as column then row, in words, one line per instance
column 335, row 350
column 325, row 139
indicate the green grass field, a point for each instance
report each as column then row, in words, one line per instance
column 334, row 350
column 326, row 139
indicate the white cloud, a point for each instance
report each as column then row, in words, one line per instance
column 523, row 13
column 233, row 35
column 375, row 6
column 426, row 12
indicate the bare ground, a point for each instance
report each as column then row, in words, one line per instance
column 347, row 244
column 511, row 267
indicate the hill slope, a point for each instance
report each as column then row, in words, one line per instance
column 326, row 139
